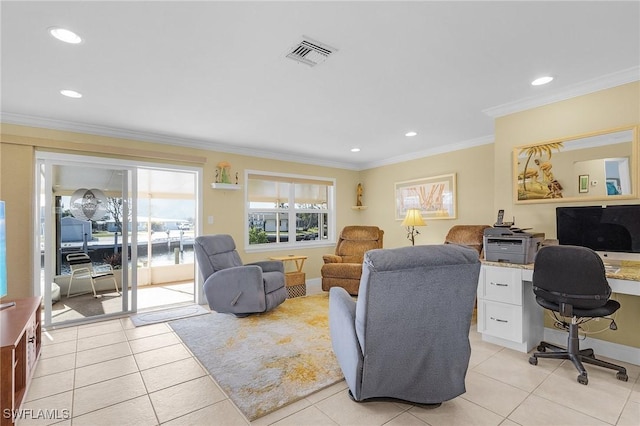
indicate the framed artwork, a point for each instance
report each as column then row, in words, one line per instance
column 434, row 196
column 583, row 183
column 613, row 186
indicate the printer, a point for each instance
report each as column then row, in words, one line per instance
column 511, row 245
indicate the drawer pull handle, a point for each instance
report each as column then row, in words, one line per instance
column 498, row 319
column 499, row 285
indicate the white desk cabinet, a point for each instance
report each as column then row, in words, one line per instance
column 508, row 314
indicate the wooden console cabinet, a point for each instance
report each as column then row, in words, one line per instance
column 20, row 334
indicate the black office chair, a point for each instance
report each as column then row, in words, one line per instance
column 570, row 281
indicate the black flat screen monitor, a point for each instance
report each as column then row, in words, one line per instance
column 609, row 229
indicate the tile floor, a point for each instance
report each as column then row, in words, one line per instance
column 150, row 297
column 111, row 373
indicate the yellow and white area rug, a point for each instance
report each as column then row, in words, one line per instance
column 266, row 361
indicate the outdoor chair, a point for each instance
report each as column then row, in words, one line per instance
column 82, row 269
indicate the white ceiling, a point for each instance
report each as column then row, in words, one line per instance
column 214, row 74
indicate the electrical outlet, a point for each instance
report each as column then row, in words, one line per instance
column 210, row 220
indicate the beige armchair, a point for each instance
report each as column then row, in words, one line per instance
column 467, row 235
column 344, row 268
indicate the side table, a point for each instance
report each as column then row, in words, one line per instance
column 294, row 280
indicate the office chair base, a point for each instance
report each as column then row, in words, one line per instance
column 577, row 357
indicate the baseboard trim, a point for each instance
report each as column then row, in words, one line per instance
column 314, row 286
column 600, row 347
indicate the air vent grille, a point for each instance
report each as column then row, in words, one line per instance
column 310, row 52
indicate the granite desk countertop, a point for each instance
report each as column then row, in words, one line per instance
column 624, row 269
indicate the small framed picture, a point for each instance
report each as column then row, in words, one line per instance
column 583, row 183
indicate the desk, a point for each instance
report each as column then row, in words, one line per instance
column 294, row 280
column 624, row 280
column 508, row 314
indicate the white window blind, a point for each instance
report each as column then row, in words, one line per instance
column 281, row 207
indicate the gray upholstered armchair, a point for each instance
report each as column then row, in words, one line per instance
column 230, row 286
column 407, row 336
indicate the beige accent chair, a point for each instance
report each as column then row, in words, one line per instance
column 467, row 235
column 344, row 268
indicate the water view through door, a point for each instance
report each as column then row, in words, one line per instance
column 114, row 238
column 166, row 232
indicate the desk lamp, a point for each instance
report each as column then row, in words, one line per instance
column 413, row 219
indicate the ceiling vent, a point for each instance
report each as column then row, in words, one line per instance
column 310, row 52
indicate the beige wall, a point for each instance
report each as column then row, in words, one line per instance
column 474, row 185
column 484, row 183
column 616, row 107
column 17, row 151
column 16, row 189
column 474, row 174
column 227, row 207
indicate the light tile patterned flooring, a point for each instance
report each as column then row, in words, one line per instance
column 111, row 373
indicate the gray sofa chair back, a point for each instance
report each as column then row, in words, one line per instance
column 232, row 287
column 407, row 336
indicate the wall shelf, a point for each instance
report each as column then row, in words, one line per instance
column 359, row 207
column 231, row 186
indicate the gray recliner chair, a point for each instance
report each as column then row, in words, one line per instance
column 407, row 336
column 232, row 287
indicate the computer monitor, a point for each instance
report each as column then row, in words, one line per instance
column 612, row 231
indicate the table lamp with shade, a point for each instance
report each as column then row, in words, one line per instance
column 411, row 220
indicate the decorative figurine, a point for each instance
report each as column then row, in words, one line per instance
column 224, row 168
column 359, row 192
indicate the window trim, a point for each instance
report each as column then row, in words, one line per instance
column 291, row 245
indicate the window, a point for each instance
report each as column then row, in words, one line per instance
column 289, row 210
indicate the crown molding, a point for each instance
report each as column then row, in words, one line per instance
column 53, row 124
column 607, row 81
column 484, row 140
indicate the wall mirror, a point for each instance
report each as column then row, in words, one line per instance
column 595, row 166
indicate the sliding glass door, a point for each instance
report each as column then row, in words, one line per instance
column 166, row 201
column 113, row 236
column 84, row 219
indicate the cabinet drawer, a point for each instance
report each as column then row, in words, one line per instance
column 501, row 285
column 500, row 320
column 31, row 335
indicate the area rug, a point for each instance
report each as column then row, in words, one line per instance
column 163, row 315
column 266, row 361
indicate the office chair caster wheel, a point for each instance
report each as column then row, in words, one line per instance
column 533, row 360
column 541, row 348
column 622, row 376
column 582, row 379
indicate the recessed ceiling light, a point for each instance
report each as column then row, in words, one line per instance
column 410, row 134
column 355, row 149
column 542, row 80
column 71, row 93
column 65, row 35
